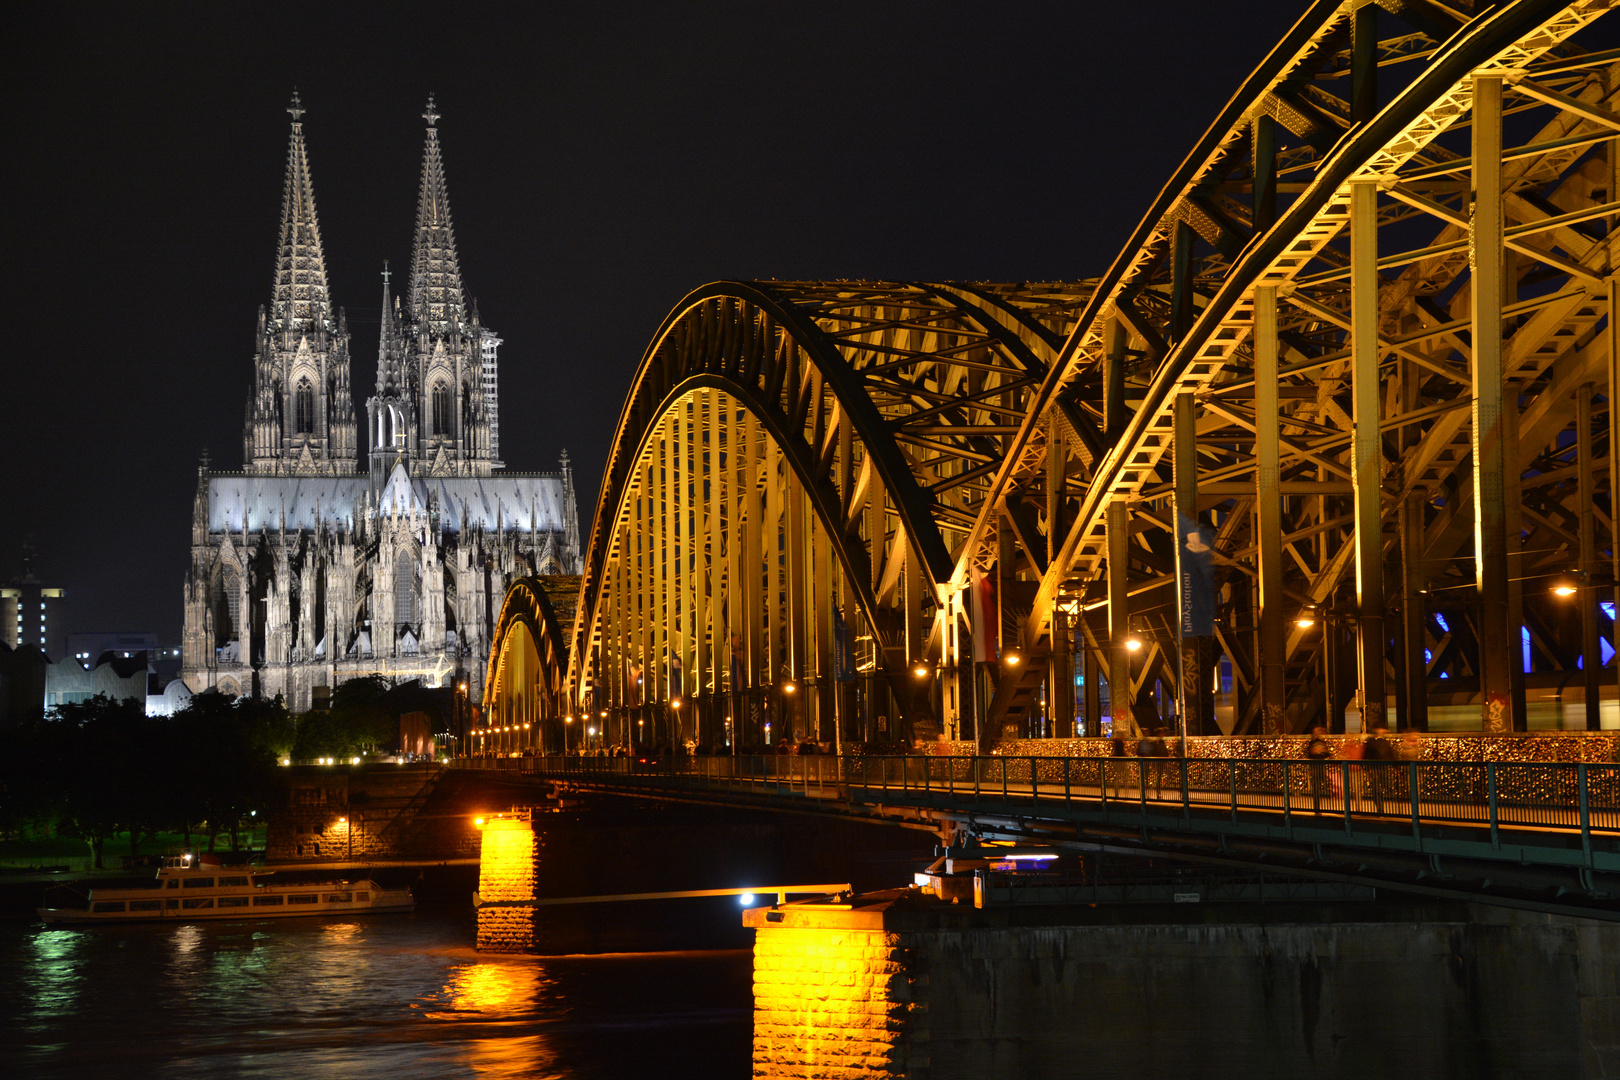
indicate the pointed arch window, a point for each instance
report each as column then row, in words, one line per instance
column 441, row 409
column 304, row 408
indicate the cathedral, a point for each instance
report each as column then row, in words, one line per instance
column 315, row 564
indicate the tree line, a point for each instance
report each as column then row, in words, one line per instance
column 99, row 768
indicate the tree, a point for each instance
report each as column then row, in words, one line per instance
column 107, row 766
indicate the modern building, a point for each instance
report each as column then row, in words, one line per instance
column 492, row 388
column 33, row 614
column 314, row 564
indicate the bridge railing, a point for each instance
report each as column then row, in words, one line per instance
column 1574, row 796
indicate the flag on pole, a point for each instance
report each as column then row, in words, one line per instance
column 1195, row 577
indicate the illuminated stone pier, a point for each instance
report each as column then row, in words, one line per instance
column 506, row 876
column 899, row 984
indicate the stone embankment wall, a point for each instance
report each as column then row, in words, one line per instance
column 898, row 991
column 334, row 813
column 507, row 863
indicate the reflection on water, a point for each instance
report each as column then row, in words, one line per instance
column 396, row 996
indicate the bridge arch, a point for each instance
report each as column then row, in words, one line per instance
column 525, row 692
column 828, row 439
column 1337, row 401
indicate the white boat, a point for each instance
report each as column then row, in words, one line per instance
column 189, row 889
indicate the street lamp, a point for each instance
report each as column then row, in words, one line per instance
column 1133, row 643
column 1564, row 590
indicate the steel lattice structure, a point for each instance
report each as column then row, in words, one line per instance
column 1356, row 360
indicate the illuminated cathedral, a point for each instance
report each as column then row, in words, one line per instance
column 323, row 561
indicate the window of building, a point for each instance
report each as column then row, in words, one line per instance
column 441, row 409
column 304, row 407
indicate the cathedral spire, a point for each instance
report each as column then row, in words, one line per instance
column 387, row 356
column 300, row 293
column 436, row 298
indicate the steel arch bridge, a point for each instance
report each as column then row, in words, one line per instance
column 1333, row 428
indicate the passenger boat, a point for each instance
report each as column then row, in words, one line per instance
column 190, row 889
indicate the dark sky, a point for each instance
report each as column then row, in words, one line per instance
column 603, row 160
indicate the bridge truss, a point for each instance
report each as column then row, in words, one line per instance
column 1333, row 427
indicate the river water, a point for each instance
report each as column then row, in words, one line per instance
column 391, row 997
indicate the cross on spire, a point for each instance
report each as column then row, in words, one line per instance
column 385, row 272
column 296, row 108
column 432, row 114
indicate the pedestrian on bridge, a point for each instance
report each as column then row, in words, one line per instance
column 1152, row 746
column 1117, row 749
column 1381, row 752
column 1317, row 752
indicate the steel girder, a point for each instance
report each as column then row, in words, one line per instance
column 885, row 407
column 1265, row 205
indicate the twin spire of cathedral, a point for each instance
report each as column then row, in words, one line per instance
column 300, row 292
column 436, row 297
column 433, row 362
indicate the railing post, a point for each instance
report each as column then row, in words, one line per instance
column 1490, row 792
column 1345, row 767
column 1231, row 776
column 1066, row 793
column 1288, row 809
column 1586, row 821
column 1412, row 788
column 1186, row 790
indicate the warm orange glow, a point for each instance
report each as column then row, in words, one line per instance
column 817, row 992
column 1565, row 590
column 478, row 822
column 1304, row 622
column 1013, row 659
column 788, row 688
column 506, row 864
column 921, row 671
column 1133, row 644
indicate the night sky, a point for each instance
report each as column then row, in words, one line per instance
column 603, row 160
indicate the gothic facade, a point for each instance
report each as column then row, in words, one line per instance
column 314, row 564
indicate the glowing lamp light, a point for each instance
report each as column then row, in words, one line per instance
column 1133, row 644
column 1565, row 590
column 746, row 899
column 478, row 823
column 590, row 731
column 1304, row 622
column 1013, row 659
column 674, row 703
column 343, row 821
column 604, row 714
column 921, row 671
column 1026, row 854
column 788, row 688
